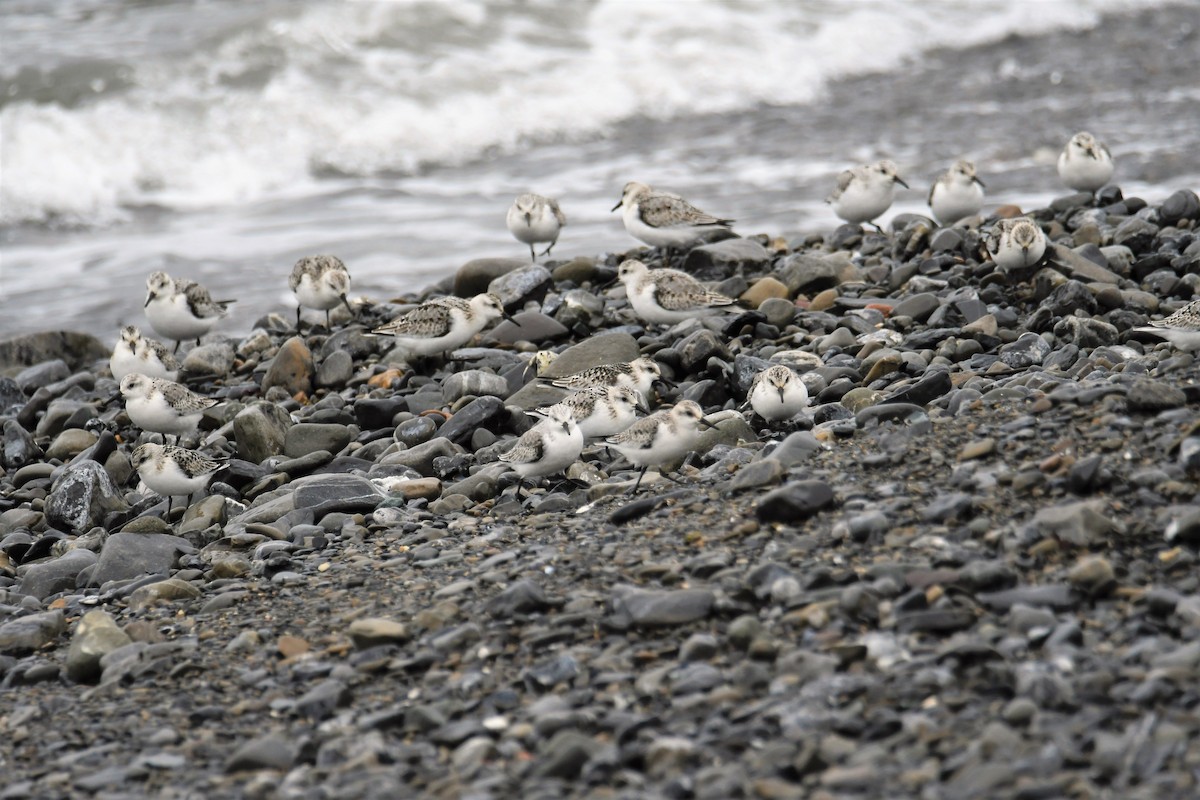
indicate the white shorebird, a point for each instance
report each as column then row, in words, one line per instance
column 320, row 282
column 639, row 375
column 661, row 438
column 442, row 324
column 663, row 219
column 534, row 219
column 777, row 394
column 957, row 193
column 1085, row 164
column 163, row 406
column 1015, row 243
column 1181, row 329
column 137, row 353
column 173, row 471
column 547, row 448
column 181, row 309
column 600, row 410
column 865, row 192
column 667, row 295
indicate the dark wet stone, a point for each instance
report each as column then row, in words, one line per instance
column 1147, row 394
column 632, row 606
column 715, row 260
column 890, row 412
column 931, row 386
column 372, row 413
column 475, row 414
column 11, row 396
column 949, row 506
column 530, row 326
column 937, row 620
column 1136, row 233
column 323, row 494
column 523, row 597
column 1183, row 204
column 766, row 472
column 1071, row 296
column 518, row 285
column 19, row 447
column 795, row 501
column 309, row 437
column 476, row 275
column 323, row 700
column 335, row 369
column 699, row 347
column 1083, row 523
column 33, row 378
column 918, row 306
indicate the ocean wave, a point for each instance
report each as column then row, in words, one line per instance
column 245, row 108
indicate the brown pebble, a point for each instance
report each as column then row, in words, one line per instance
column 292, row 646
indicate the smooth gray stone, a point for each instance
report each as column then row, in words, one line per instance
column 260, row 430
column 310, row 437
column 58, row 575
column 634, row 606
column 31, row 632
column 795, row 501
column 338, row 492
column 131, row 555
column 608, row 348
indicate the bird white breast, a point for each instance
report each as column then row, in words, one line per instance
column 951, row 202
column 316, row 294
column 123, row 361
column 171, row 480
column 1083, row 173
column 674, row 236
column 171, row 317
column 864, row 200
column 155, row 414
column 542, row 227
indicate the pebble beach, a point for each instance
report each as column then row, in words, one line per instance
column 968, row 570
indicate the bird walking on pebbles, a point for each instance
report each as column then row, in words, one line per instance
column 1085, row 164
column 661, row 438
column 668, row 296
column 956, row 194
column 321, row 282
column 181, row 309
column 777, row 394
column 173, row 471
column 443, row 323
column 137, row 353
column 1015, row 243
column 1181, row 328
column 162, row 406
column 534, row 219
column 600, row 410
column 639, row 375
column 547, row 448
column 865, row 192
column 663, row 219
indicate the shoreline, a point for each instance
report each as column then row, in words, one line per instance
column 969, row 572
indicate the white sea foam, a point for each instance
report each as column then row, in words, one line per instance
column 241, row 108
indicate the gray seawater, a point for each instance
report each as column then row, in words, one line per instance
column 1133, row 79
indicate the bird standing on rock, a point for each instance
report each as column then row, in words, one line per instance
column 1015, row 243
column 865, row 192
column 173, row 471
column 663, row 219
column 181, row 309
column 1085, row 164
column 661, row 438
column 668, row 296
column 320, row 282
column 534, row 219
column 956, row 194
column 443, row 323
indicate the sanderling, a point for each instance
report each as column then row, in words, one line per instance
column 173, row 471
column 136, row 353
column 1085, row 164
column 778, row 394
column 600, row 410
column 1015, row 243
column 865, row 192
column 163, row 406
column 1181, row 329
column 320, row 282
column 443, row 323
column 661, row 438
column 639, row 375
column 668, row 295
column 548, row 447
column 534, row 219
column 957, row 193
column 181, row 309
column 662, row 219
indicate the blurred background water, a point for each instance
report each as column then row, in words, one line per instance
column 222, row 140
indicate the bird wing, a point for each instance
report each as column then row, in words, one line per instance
column 680, row 292
column 843, row 182
column 558, row 213
column 666, row 210
column 183, row 398
column 428, row 320
column 200, row 301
